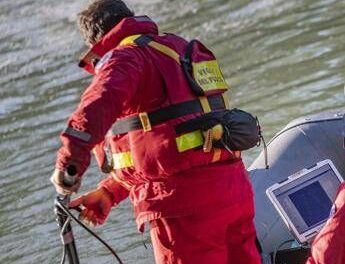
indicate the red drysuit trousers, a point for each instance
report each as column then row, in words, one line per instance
column 224, row 236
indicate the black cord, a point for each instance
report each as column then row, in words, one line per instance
column 66, row 210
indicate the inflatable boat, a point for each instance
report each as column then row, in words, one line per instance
column 302, row 143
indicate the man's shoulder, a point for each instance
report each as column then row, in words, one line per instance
column 116, row 56
column 172, row 39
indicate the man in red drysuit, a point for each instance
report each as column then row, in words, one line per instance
column 197, row 200
column 329, row 245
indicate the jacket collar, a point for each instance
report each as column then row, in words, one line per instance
column 127, row 27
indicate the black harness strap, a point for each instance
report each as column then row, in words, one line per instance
column 143, row 40
column 185, row 60
column 167, row 113
column 186, row 63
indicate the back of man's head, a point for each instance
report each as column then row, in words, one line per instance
column 99, row 17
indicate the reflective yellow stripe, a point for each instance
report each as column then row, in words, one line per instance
column 122, row 160
column 189, row 141
column 166, row 50
column 129, row 40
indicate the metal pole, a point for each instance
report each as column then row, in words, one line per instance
column 66, row 230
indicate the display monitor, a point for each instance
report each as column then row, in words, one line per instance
column 305, row 199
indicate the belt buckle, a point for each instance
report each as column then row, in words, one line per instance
column 145, row 121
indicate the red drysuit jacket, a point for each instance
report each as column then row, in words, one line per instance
column 125, row 84
column 329, row 245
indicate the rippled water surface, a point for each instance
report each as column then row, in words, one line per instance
column 283, row 59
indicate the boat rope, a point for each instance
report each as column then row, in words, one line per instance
column 262, row 139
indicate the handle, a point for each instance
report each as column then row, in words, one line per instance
column 67, row 238
column 62, row 218
column 70, row 175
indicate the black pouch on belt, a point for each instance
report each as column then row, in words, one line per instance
column 240, row 130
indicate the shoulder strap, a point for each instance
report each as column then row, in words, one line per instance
column 145, row 40
column 185, row 62
column 187, row 69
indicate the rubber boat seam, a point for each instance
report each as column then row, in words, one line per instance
column 303, row 123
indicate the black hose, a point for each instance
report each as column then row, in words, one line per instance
column 66, row 210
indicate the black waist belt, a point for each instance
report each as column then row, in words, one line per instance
column 162, row 115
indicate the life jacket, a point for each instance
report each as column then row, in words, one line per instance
column 147, row 146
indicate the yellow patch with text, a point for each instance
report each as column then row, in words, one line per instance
column 209, row 76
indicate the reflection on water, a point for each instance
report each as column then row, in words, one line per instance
column 283, row 59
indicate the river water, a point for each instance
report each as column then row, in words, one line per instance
column 283, row 59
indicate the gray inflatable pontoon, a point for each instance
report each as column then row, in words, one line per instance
column 301, row 144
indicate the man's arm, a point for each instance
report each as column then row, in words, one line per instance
column 101, row 104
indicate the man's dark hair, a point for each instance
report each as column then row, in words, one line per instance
column 98, row 18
